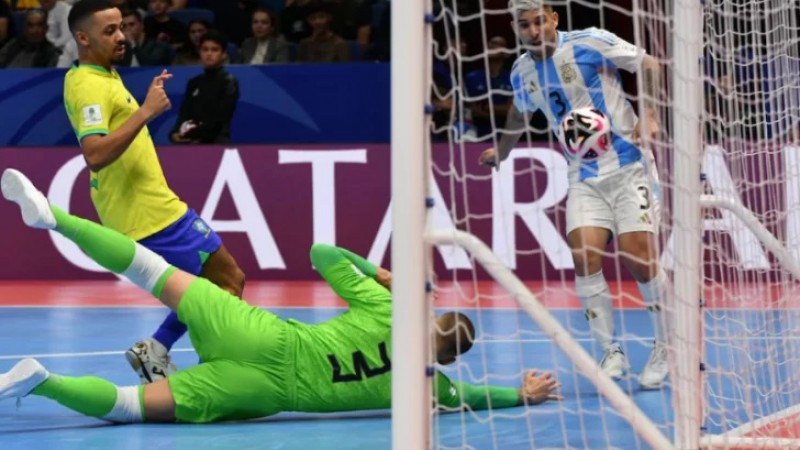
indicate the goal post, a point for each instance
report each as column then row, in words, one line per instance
column 491, row 244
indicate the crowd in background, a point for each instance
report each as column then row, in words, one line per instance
column 474, row 48
column 34, row 33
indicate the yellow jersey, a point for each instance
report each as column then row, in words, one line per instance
column 131, row 194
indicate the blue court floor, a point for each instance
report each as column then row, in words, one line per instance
column 91, row 340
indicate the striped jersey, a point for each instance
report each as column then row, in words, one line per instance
column 583, row 72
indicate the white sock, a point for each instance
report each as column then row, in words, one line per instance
column 596, row 300
column 128, row 408
column 655, row 294
column 146, row 268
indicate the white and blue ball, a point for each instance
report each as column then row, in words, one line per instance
column 585, row 134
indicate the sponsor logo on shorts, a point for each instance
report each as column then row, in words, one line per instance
column 201, row 226
column 645, row 218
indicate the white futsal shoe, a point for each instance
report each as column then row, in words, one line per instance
column 656, row 369
column 22, row 379
column 150, row 360
column 614, row 362
column 35, row 208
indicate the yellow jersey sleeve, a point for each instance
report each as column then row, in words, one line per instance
column 88, row 102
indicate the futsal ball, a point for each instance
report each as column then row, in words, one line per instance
column 586, row 133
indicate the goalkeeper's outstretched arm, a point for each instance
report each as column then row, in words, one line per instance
column 536, row 388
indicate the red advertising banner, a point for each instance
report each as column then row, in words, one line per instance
column 271, row 203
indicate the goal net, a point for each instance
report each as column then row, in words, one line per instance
column 727, row 148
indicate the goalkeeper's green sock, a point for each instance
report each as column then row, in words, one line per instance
column 95, row 397
column 115, row 251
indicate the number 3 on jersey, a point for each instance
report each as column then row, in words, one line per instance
column 557, row 104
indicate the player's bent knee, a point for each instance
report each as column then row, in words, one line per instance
column 159, row 403
column 586, row 262
column 236, row 286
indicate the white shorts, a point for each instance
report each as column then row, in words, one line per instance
column 622, row 201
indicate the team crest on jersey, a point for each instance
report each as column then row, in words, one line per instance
column 201, row 226
column 568, row 72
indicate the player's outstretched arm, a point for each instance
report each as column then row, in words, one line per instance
column 515, row 128
column 324, row 256
column 101, row 150
column 536, row 388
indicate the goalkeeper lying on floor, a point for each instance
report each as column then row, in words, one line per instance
column 255, row 364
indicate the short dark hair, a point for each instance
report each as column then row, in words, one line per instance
column 84, row 9
column 317, row 7
column 215, row 36
column 458, row 331
column 131, row 12
column 35, row 12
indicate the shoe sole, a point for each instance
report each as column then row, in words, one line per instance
column 25, row 376
column 18, row 188
column 651, row 387
column 654, row 387
column 137, row 366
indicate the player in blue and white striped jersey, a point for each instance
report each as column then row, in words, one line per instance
column 613, row 195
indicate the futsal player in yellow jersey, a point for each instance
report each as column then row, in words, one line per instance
column 127, row 184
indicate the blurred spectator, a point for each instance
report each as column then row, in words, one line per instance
column 139, row 5
column 178, row 4
column 160, row 26
column 210, row 99
column 57, row 26
column 189, row 54
column 294, row 25
column 381, row 36
column 232, row 18
column 141, row 50
column 272, row 5
column 6, row 24
column 496, row 84
column 23, row 5
column 324, row 45
column 69, row 54
column 266, row 46
column 352, row 20
column 31, row 49
column 446, row 117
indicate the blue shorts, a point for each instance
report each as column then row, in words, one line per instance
column 186, row 243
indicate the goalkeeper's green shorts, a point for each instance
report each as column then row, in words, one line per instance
column 247, row 355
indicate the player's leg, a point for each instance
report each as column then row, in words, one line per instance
column 90, row 396
column 637, row 212
column 589, row 221
column 221, row 269
column 190, row 245
column 106, row 247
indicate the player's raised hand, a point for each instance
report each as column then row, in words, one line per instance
column 489, row 158
column 157, row 101
column 538, row 388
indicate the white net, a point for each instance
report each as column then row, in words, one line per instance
column 751, row 83
column 752, row 90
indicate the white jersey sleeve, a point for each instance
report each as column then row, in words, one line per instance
column 621, row 53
